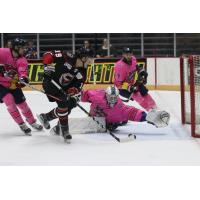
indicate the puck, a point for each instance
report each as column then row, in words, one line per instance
column 132, row 136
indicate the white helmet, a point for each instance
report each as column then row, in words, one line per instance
column 112, row 94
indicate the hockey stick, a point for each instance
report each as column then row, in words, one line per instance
column 42, row 91
column 130, row 137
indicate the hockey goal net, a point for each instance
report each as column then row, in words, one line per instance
column 190, row 92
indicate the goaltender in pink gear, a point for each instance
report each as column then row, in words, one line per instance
column 107, row 104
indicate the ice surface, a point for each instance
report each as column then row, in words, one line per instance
column 167, row 146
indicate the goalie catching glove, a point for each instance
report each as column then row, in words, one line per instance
column 158, row 118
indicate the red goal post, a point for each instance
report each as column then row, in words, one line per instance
column 190, row 92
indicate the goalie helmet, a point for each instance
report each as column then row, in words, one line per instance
column 112, row 94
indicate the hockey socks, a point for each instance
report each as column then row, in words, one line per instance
column 12, row 108
column 63, row 119
column 26, row 111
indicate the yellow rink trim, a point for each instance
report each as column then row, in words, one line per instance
column 103, row 86
column 164, row 87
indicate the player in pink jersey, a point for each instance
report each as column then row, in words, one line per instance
column 13, row 70
column 107, row 104
column 130, row 79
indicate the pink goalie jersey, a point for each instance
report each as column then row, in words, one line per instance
column 99, row 107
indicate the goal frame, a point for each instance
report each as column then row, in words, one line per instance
column 192, row 94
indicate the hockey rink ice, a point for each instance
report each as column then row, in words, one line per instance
column 164, row 146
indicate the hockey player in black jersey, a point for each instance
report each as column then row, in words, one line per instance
column 59, row 70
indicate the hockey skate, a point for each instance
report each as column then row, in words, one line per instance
column 65, row 133
column 44, row 121
column 36, row 126
column 25, row 129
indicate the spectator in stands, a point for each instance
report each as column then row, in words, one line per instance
column 85, row 57
column 31, row 50
column 87, row 49
column 8, row 44
column 103, row 50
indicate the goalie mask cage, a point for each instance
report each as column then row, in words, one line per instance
column 190, row 92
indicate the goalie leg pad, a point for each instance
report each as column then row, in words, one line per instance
column 87, row 125
column 158, row 118
column 99, row 128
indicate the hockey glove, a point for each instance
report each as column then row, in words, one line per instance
column 23, row 80
column 12, row 78
column 133, row 89
column 112, row 126
column 11, row 74
column 72, row 91
column 143, row 90
column 72, row 102
column 142, row 77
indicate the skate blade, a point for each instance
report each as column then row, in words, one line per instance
column 28, row 134
column 68, row 141
column 39, row 130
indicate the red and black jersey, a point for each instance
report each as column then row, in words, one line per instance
column 65, row 74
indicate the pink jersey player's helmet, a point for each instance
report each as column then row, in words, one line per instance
column 18, row 42
column 127, row 50
column 112, row 94
column 18, row 45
